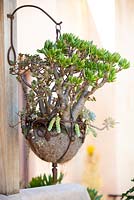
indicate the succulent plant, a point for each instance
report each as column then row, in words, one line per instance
column 63, row 78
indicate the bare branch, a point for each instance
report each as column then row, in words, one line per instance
column 97, row 86
column 99, row 129
column 24, row 81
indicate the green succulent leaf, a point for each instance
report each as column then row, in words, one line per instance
column 44, row 180
column 93, row 193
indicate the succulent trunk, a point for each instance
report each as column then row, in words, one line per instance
column 77, row 107
column 66, row 117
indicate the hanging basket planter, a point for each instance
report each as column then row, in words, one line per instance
column 54, row 120
column 58, row 149
column 51, row 146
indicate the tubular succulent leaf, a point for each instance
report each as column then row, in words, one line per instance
column 77, row 130
column 51, row 123
column 58, row 128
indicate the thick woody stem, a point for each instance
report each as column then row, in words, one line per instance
column 76, row 110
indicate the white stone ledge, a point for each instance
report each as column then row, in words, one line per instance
column 56, row 192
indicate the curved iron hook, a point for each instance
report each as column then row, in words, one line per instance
column 11, row 16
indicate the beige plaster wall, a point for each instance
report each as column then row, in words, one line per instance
column 125, row 93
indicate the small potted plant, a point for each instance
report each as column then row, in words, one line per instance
column 54, row 120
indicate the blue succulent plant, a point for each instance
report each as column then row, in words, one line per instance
column 92, row 116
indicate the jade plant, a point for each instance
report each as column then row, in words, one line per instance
column 63, row 75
